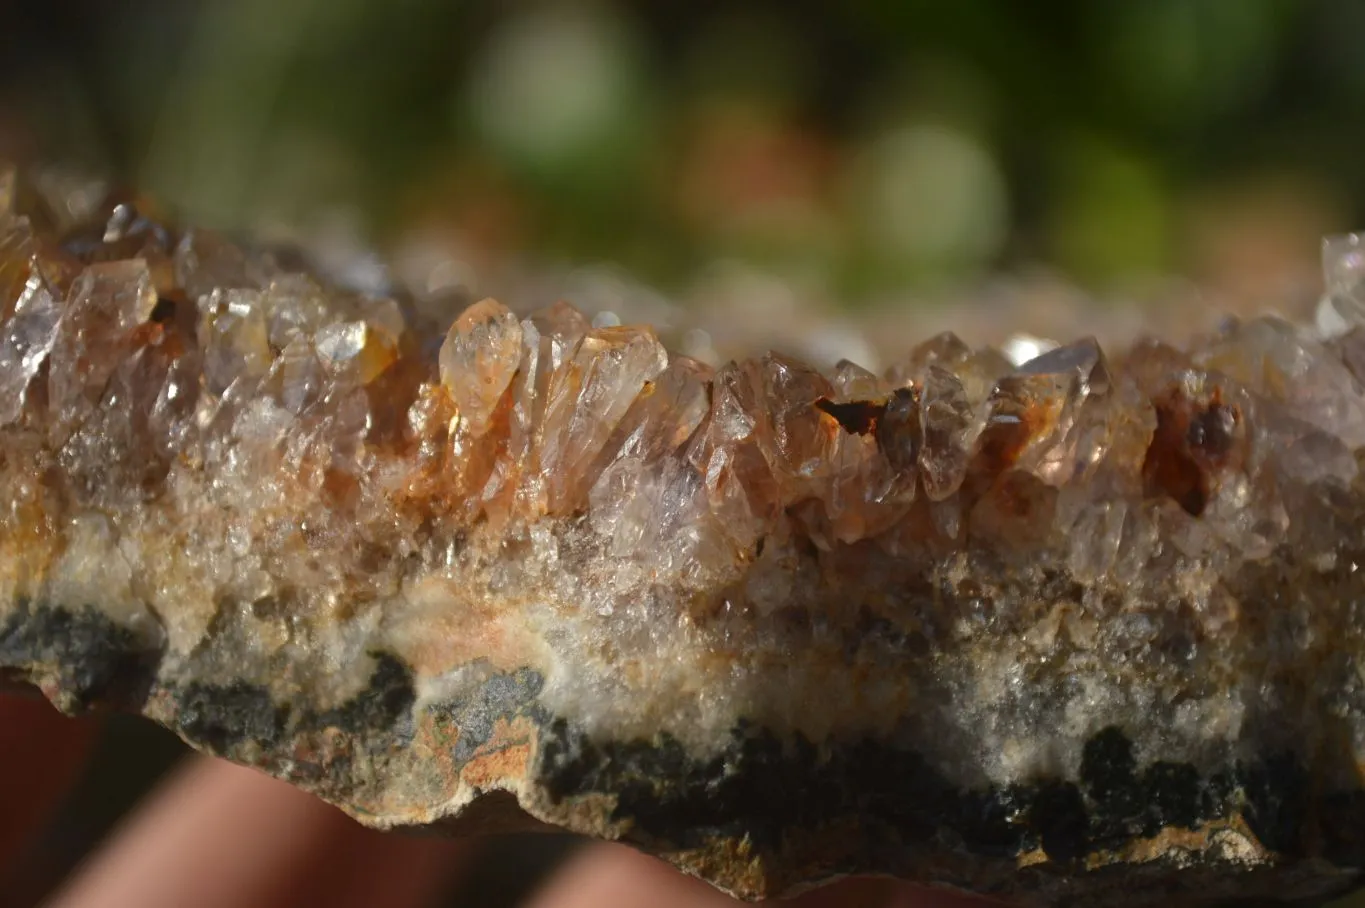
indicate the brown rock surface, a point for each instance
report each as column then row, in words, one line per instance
column 1081, row 630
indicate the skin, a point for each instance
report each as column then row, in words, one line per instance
column 220, row 836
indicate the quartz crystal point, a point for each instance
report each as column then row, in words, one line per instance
column 1087, row 630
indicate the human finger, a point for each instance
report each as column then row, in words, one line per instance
column 221, row 836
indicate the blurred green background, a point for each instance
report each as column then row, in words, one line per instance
column 856, row 150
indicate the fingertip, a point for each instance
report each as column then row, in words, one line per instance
column 222, row 836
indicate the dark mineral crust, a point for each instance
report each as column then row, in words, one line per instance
column 1086, row 629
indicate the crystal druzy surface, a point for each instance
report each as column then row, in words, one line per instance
column 1087, row 628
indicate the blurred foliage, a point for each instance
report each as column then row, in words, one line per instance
column 856, row 148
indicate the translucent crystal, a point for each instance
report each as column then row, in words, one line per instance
column 665, row 414
column 949, row 429
column 1094, row 539
column 852, row 382
column 548, row 337
column 478, row 359
column 740, row 486
column 29, row 334
column 975, row 370
column 872, row 479
column 899, row 431
column 107, row 302
column 302, row 379
column 559, row 327
column 734, row 406
column 235, row 337
column 945, row 350
column 1203, row 455
column 19, row 263
column 341, row 343
column 1277, row 361
column 657, row 517
column 296, row 307
column 171, row 420
column 586, row 399
column 792, row 435
column 1033, row 413
column 742, row 492
column 1343, row 262
column 1309, row 455
column 356, row 348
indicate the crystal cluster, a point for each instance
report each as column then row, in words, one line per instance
column 1086, row 625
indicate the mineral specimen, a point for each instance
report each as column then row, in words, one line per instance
column 1087, row 629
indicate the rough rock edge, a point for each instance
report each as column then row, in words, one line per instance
column 762, row 820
